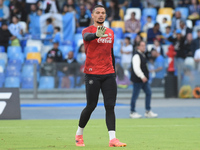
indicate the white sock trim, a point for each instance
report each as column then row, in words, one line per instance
column 111, row 134
column 79, row 131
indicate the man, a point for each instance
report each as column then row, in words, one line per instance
column 197, row 41
column 100, row 74
column 83, row 20
column 132, row 25
column 139, row 77
column 184, row 29
column 5, row 35
column 159, row 68
column 176, row 20
column 154, row 33
column 55, row 53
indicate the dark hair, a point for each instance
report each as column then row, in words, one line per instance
column 128, row 38
column 97, row 6
column 49, row 20
column 133, row 13
column 165, row 18
column 57, row 28
column 149, row 17
column 156, row 24
column 79, row 50
column 169, row 27
column 138, row 44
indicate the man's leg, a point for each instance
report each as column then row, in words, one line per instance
column 92, row 93
column 135, row 94
column 109, row 91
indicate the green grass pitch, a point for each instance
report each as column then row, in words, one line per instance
column 139, row 134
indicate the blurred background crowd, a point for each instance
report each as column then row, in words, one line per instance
column 48, row 33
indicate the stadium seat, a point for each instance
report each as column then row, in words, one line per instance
column 184, row 11
column 130, row 10
column 23, row 26
column 27, row 83
column 2, row 78
column 106, row 24
column 189, row 24
column 149, row 47
column 197, row 23
column 4, row 57
column 17, row 56
column 2, row 65
column 14, row 73
column 118, row 24
column 131, row 35
column 46, row 82
column 2, row 49
column 13, row 50
column 166, row 11
column 27, row 71
column 80, row 29
column 12, row 82
column 34, row 55
column 28, row 49
column 31, row 62
column 65, row 50
column 143, row 35
column 15, row 62
column 37, row 43
column 160, row 17
column 116, row 50
column 118, row 32
column 149, row 12
column 121, row 13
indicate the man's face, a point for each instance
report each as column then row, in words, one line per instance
column 99, row 15
column 4, row 27
column 142, row 47
column 55, row 45
column 70, row 55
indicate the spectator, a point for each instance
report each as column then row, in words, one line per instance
column 176, row 20
column 101, row 2
column 184, row 29
column 137, row 40
column 16, row 30
column 163, row 25
column 189, row 46
column 50, row 6
column 123, row 4
column 4, row 12
column 84, row 19
column 113, row 11
column 33, row 10
column 57, row 37
column 135, row 3
column 152, row 3
column 65, row 9
column 169, row 3
column 48, row 68
column 159, row 68
column 166, row 35
column 178, row 43
column 5, row 35
column 70, row 3
column 132, row 25
column 126, row 54
column 121, row 79
column 17, row 9
column 49, row 32
column 55, row 53
column 154, row 33
column 81, row 54
column 89, row 6
column 197, row 41
column 149, row 24
column 28, row 5
column 197, row 59
column 194, row 10
column 157, row 47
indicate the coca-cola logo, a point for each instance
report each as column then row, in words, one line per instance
column 104, row 40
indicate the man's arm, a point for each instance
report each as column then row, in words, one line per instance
column 89, row 36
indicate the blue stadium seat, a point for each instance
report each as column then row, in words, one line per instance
column 15, row 62
column 31, row 62
column 2, row 78
column 116, row 50
column 80, row 29
column 28, row 71
column 184, row 11
column 131, row 35
column 18, row 56
column 28, row 49
column 27, row 83
column 118, row 32
column 65, row 50
column 14, row 73
column 12, row 82
column 77, row 37
column 46, row 82
column 2, row 49
column 197, row 23
column 2, row 65
column 149, row 12
column 13, row 50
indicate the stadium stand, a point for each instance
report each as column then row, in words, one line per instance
column 46, row 82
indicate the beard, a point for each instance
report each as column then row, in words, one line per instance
column 100, row 22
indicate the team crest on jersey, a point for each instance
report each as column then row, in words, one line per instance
column 91, row 81
column 104, row 40
column 110, row 34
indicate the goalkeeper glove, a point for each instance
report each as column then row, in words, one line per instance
column 100, row 31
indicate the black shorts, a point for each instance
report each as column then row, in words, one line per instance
column 107, row 84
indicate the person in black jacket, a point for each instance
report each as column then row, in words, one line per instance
column 55, row 53
column 113, row 11
column 197, row 41
column 140, row 77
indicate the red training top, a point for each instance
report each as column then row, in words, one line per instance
column 99, row 60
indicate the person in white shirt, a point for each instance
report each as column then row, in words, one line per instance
column 149, row 24
column 126, row 54
column 15, row 28
column 163, row 25
column 197, row 59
